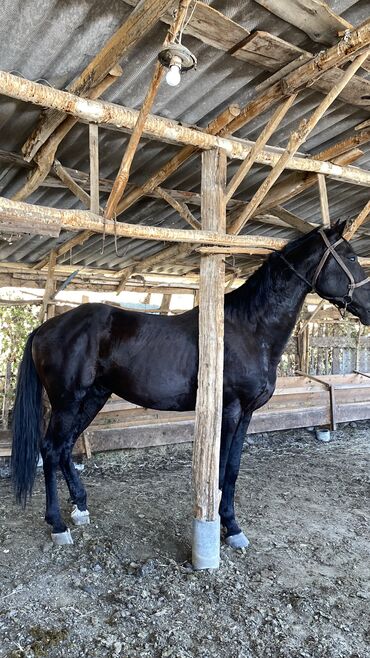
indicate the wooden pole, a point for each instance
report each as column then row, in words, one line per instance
column 324, row 203
column 94, row 167
column 6, row 399
column 207, row 433
column 296, row 140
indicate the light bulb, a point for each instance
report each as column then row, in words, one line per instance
column 173, row 75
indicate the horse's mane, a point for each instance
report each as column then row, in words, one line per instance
column 250, row 296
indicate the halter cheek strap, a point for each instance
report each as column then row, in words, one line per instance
column 331, row 251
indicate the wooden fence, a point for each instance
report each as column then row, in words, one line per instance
column 297, row 402
column 332, row 348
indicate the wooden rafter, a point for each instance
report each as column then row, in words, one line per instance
column 297, row 138
column 121, row 181
column 180, row 207
column 358, row 221
column 141, row 20
column 261, row 141
column 45, row 157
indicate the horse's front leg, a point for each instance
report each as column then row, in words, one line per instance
column 234, row 426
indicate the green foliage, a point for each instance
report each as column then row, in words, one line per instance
column 16, row 322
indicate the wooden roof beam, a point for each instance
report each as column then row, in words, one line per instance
column 297, row 138
column 75, row 220
column 161, row 128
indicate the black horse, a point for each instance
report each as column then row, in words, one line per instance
column 85, row 355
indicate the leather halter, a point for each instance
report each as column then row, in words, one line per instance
column 330, row 251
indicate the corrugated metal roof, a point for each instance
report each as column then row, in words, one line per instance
column 53, row 41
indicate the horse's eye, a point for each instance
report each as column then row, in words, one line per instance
column 353, row 258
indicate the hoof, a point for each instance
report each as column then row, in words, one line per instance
column 62, row 538
column 237, row 541
column 78, row 517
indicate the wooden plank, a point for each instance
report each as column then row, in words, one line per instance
column 313, row 17
column 266, row 50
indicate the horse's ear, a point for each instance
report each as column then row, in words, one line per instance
column 339, row 227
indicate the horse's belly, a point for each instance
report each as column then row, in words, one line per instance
column 156, row 390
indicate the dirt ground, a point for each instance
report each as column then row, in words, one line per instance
column 126, row 589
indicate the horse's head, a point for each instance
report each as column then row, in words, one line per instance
column 339, row 276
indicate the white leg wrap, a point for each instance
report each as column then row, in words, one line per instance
column 237, row 541
column 78, row 517
column 62, row 538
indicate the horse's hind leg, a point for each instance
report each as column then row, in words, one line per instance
column 94, row 401
column 57, row 435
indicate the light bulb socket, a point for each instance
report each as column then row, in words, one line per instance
column 178, row 55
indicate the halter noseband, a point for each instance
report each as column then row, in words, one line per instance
column 330, row 250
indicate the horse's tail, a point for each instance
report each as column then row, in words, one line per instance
column 27, row 418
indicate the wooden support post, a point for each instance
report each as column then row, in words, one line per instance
column 165, row 305
column 49, row 286
column 207, row 435
column 296, row 140
column 324, row 203
column 94, row 167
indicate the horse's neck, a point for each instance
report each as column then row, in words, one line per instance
column 269, row 304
